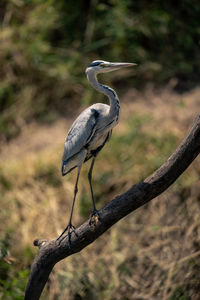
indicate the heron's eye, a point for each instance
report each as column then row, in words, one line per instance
column 104, row 65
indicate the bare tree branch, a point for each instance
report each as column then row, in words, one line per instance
column 51, row 252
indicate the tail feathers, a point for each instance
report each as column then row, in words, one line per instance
column 63, row 170
column 67, row 167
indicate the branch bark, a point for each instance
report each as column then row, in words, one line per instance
column 51, row 252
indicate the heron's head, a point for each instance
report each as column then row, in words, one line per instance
column 101, row 66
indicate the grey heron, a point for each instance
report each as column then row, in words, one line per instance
column 91, row 130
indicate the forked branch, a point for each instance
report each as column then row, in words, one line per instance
column 51, row 252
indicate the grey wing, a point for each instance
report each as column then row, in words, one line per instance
column 80, row 133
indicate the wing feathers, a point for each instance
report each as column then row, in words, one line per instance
column 80, row 133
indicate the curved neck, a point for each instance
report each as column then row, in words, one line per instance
column 106, row 90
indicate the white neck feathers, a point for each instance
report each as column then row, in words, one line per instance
column 106, row 90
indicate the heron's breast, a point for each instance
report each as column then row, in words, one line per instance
column 101, row 134
column 98, row 140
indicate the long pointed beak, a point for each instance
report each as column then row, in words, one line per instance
column 121, row 65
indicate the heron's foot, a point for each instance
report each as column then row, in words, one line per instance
column 69, row 229
column 94, row 217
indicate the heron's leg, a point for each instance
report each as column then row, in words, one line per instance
column 95, row 211
column 90, row 182
column 75, row 193
column 70, row 228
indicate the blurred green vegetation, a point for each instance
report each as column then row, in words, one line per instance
column 46, row 45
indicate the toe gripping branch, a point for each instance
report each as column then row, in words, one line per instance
column 69, row 229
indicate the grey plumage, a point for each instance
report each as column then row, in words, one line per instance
column 91, row 130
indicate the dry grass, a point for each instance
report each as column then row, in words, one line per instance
column 153, row 253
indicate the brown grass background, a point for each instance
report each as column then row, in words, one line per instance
column 154, row 252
